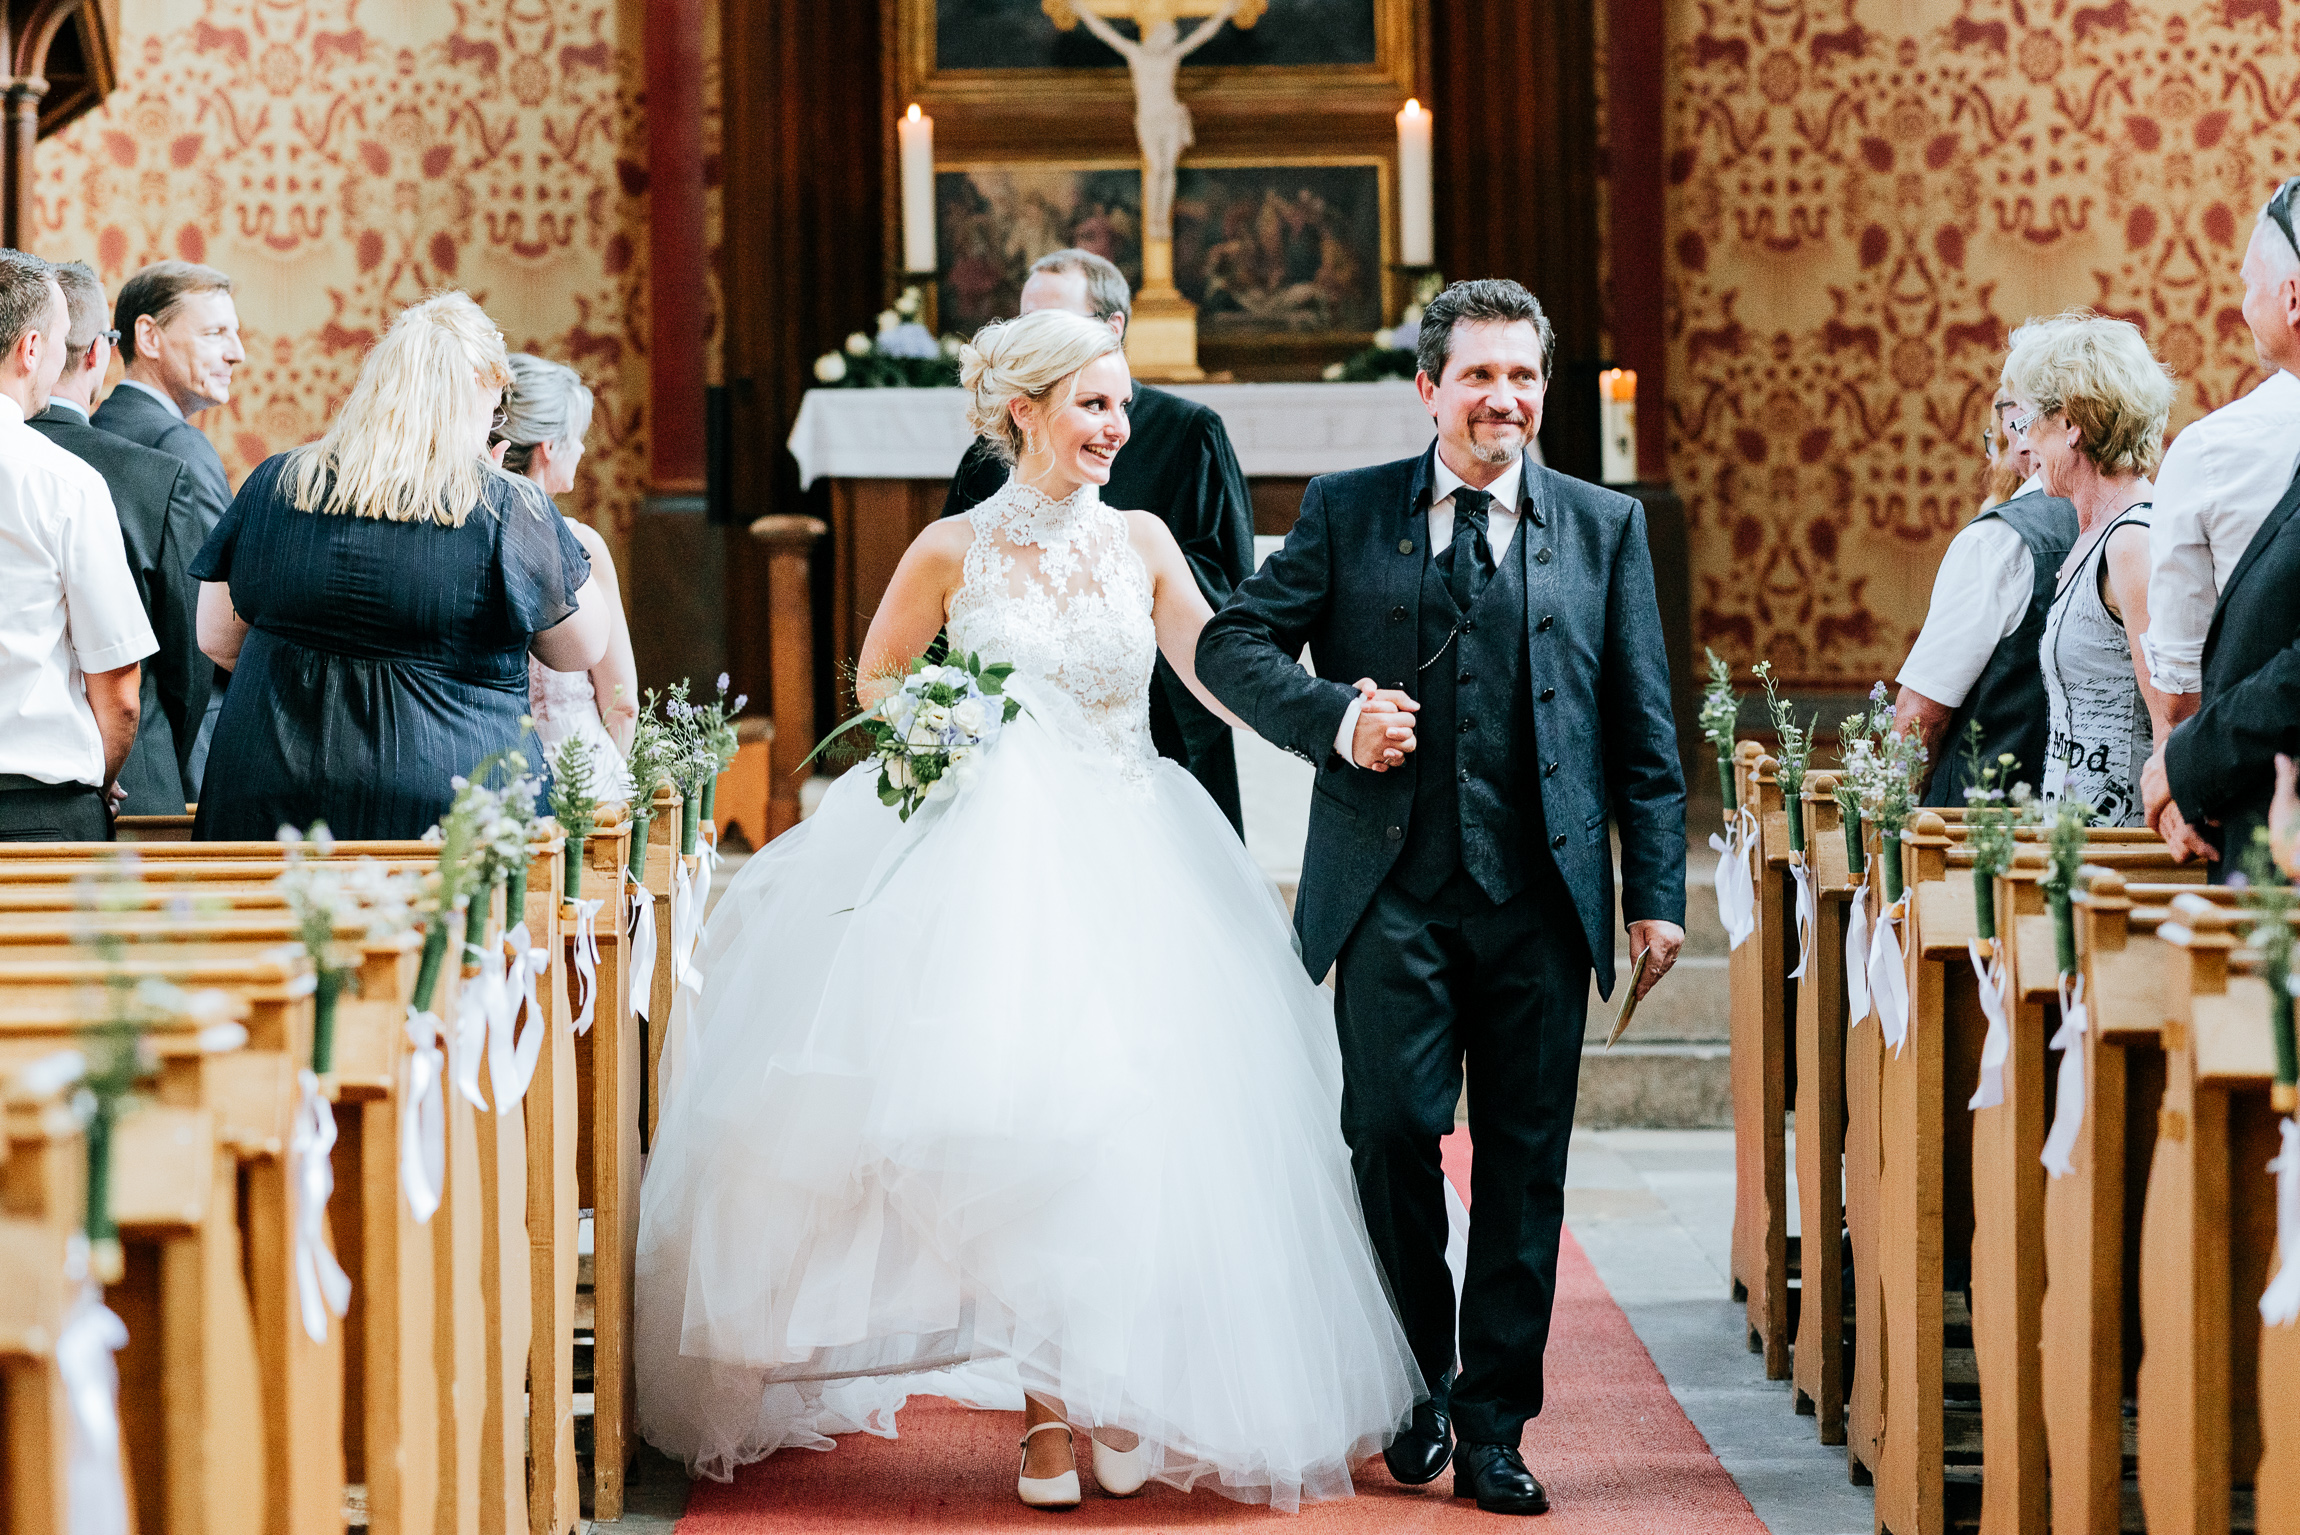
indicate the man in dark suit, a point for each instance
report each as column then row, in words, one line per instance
column 180, row 339
column 2210, row 782
column 1510, row 700
column 162, row 525
column 1178, row 465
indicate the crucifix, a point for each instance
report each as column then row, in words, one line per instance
column 1163, row 336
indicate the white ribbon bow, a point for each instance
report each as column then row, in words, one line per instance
column 1996, row 1046
column 511, row 1062
column 707, row 849
column 423, row 1118
column 1888, row 975
column 321, row 1285
column 586, row 960
column 2068, row 1087
column 1857, row 961
column 686, row 928
column 95, row 1489
column 2280, row 1302
column 1736, row 886
column 1804, row 878
column 642, row 948
column 482, row 997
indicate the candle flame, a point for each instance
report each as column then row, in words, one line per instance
column 913, row 113
column 1413, row 107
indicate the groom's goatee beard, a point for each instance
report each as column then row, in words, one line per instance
column 1487, row 451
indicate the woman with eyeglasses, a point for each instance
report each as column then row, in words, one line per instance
column 2091, row 402
column 378, row 593
column 539, row 433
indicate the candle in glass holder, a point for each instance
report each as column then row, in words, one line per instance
column 1617, row 425
column 1417, row 241
column 917, row 134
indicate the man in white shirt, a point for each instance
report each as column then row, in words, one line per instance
column 1977, row 658
column 72, row 627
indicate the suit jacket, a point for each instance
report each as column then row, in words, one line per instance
column 1348, row 585
column 131, row 413
column 160, row 503
column 2221, row 762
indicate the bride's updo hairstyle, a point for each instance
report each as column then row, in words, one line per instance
column 1033, row 358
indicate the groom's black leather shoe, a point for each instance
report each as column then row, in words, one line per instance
column 1495, row 1475
column 1419, row 1453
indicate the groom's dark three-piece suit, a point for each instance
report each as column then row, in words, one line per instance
column 1465, row 895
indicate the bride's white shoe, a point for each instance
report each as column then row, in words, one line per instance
column 1120, row 1473
column 1049, row 1492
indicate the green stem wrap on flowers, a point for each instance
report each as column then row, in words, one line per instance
column 476, row 913
column 1725, row 782
column 99, row 1224
column 2281, row 1027
column 640, row 821
column 711, row 798
column 434, row 951
column 1794, row 802
column 1856, row 850
column 2063, row 931
column 572, row 888
column 690, row 821
column 1889, row 854
column 1985, row 903
column 327, row 988
column 515, row 896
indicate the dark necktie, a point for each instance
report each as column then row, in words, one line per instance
column 1469, row 559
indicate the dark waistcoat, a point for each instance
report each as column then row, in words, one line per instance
column 2008, row 697
column 1477, row 793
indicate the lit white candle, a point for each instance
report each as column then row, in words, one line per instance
column 1417, row 240
column 1617, row 415
column 917, row 133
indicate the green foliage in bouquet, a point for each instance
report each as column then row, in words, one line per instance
column 326, row 896
column 1393, row 353
column 2270, row 900
column 1792, row 757
column 574, row 805
column 1994, row 814
column 927, row 728
column 1720, row 716
column 649, row 762
column 1882, row 765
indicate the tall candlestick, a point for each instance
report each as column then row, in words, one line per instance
column 1417, row 241
column 917, row 133
column 1617, row 417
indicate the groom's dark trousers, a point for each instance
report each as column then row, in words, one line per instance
column 1462, row 898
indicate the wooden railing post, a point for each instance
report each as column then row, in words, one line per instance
column 790, row 543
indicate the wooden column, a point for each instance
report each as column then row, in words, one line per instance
column 790, row 543
column 22, row 132
column 676, row 254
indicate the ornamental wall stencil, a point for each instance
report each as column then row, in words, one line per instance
column 340, row 161
column 1863, row 201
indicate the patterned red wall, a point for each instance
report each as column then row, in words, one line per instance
column 340, row 160
column 1864, row 198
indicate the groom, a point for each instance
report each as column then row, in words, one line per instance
column 1491, row 692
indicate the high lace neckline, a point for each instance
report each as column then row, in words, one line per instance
column 1028, row 515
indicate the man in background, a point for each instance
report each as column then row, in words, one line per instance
column 180, row 339
column 160, row 505
column 1177, row 466
column 72, row 629
column 1976, row 658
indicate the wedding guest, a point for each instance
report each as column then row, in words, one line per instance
column 72, row 630
column 2092, row 402
column 378, row 593
column 1179, row 467
column 2208, row 785
column 158, row 500
column 180, row 340
column 1976, row 657
column 546, row 411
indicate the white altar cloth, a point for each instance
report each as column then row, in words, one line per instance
column 1282, row 430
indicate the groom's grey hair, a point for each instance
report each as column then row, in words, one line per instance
column 1106, row 286
column 1480, row 301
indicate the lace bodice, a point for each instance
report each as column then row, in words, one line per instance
column 1057, row 589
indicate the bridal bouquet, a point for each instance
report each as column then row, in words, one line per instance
column 929, row 733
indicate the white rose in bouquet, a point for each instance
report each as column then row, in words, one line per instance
column 935, row 717
column 971, row 716
column 830, row 368
column 898, row 772
column 858, row 344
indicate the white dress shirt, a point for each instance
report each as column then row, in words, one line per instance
column 1501, row 520
column 68, row 606
column 158, row 394
column 1980, row 595
column 2219, row 481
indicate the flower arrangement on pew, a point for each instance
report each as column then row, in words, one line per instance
column 1994, row 815
column 574, row 805
column 1720, row 717
column 503, row 822
column 1736, row 882
column 326, row 896
column 649, row 764
column 691, row 760
column 2270, row 899
column 903, row 355
column 928, row 732
column 1864, row 726
column 1883, row 766
column 1791, row 758
column 2064, row 842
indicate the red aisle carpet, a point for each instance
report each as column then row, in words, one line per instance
column 1615, row 1451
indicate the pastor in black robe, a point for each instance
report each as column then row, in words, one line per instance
column 1178, row 465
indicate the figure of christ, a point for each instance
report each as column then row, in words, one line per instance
column 1161, row 121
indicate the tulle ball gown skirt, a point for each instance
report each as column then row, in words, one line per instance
column 1033, row 1085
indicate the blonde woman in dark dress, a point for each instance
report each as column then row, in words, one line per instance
column 377, row 594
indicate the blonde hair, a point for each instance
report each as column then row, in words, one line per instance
column 546, row 402
column 2101, row 375
column 395, row 450
column 1025, row 359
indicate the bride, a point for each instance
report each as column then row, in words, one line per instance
column 1030, row 1089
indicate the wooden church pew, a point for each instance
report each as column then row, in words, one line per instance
column 552, row 1491
column 667, row 891
column 43, row 1170
column 1818, row 1381
column 1864, row 1198
column 1761, row 1070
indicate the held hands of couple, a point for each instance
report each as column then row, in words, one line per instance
column 1385, row 730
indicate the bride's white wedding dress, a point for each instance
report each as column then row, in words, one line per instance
column 1033, row 1084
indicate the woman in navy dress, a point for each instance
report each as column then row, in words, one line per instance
column 376, row 596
